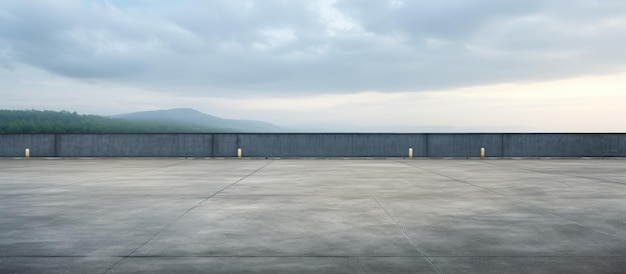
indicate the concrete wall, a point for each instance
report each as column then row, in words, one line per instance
column 314, row 145
column 565, row 145
column 329, row 145
column 464, row 145
column 134, row 145
column 39, row 144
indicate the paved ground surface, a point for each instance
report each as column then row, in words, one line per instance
column 242, row 215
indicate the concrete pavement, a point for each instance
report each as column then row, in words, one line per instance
column 312, row 215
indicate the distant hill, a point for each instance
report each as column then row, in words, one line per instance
column 37, row 121
column 194, row 117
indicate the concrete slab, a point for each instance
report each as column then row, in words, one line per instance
column 277, row 226
column 305, row 215
column 275, row 265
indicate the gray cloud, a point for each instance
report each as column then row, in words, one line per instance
column 293, row 47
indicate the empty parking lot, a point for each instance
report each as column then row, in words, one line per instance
column 312, row 215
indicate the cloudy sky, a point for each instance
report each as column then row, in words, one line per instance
column 369, row 65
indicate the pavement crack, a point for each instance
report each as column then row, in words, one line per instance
column 406, row 235
column 183, row 215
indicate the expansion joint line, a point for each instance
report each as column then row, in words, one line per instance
column 183, row 215
column 406, row 235
column 524, row 202
column 455, row 179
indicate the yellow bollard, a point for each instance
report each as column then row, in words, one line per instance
column 27, row 153
column 410, row 152
column 482, row 153
column 239, row 153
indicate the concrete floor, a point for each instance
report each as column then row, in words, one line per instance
column 340, row 216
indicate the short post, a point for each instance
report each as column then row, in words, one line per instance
column 27, row 153
column 482, row 153
column 239, row 153
column 410, row 152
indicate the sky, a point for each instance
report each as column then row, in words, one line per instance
column 331, row 65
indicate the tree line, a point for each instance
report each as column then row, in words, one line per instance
column 46, row 121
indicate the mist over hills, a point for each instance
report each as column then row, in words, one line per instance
column 46, row 121
column 186, row 120
column 158, row 121
column 194, row 117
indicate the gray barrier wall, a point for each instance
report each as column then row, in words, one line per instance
column 315, row 145
column 40, row 144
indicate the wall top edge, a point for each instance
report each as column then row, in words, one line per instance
column 335, row 133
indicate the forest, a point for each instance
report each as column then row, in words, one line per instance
column 46, row 121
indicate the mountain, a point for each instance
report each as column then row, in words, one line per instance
column 37, row 121
column 194, row 117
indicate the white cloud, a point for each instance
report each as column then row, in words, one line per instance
column 458, row 62
column 564, row 105
column 326, row 46
column 336, row 22
column 273, row 38
column 561, row 105
column 396, row 3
